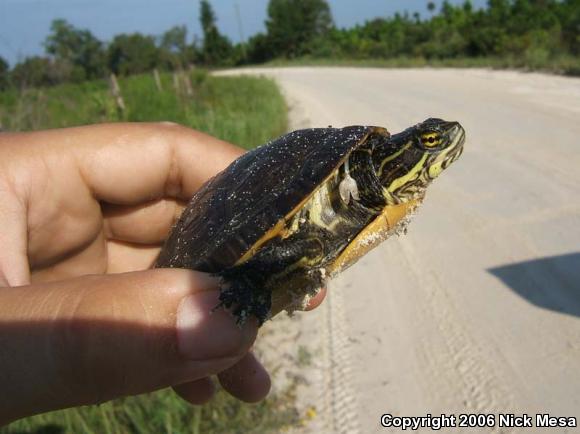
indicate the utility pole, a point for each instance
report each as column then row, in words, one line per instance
column 240, row 29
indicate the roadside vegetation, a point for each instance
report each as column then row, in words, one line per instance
column 524, row 34
column 164, row 412
column 243, row 110
column 564, row 65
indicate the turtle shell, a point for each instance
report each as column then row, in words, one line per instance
column 237, row 207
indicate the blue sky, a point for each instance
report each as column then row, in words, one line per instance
column 25, row 23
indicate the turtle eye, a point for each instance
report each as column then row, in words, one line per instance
column 430, row 140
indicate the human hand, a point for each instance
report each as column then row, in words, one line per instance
column 78, row 204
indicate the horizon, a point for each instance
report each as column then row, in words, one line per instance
column 23, row 35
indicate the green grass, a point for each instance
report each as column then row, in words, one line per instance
column 534, row 61
column 164, row 412
column 243, row 110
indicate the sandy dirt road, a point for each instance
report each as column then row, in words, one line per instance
column 477, row 309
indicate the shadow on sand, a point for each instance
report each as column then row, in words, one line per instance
column 552, row 282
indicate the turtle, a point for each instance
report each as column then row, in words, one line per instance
column 285, row 217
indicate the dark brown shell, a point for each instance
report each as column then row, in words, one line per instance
column 234, row 209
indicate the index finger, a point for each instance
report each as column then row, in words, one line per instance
column 131, row 163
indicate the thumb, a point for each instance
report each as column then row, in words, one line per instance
column 94, row 338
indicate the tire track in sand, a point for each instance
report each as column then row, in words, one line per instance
column 456, row 361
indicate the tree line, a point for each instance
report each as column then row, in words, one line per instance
column 533, row 31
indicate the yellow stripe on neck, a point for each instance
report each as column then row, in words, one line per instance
column 399, row 182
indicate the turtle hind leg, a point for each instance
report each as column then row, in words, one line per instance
column 283, row 266
column 244, row 297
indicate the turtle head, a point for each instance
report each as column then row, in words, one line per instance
column 410, row 160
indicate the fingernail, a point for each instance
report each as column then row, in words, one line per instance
column 204, row 333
